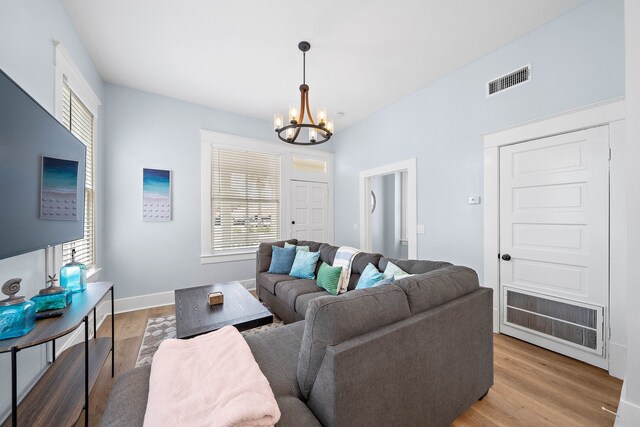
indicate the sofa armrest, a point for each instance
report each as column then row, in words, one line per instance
column 128, row 399
column 424, row 370
column 331, row 320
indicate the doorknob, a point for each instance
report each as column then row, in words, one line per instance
column 293, row 222
column 506, row 257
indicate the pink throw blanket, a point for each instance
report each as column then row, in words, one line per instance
column 210, row 380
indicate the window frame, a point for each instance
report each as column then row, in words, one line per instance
column 210, row 140
column 67, row 72
column 223, row 196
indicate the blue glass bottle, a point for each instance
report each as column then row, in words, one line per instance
column 73, row 275
column 17, row 315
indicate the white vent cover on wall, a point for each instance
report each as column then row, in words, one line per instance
column 510, row 80
column 574, row 323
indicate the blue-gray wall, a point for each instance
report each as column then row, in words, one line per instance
column 576, row 60
column 28, row 29
column 151, row 131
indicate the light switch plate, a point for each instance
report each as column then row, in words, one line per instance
column 355, row 226
column 420, row 229
column 474, row 200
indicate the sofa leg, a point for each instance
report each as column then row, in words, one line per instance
column 484, row 395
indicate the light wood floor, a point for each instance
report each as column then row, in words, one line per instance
column 533, row 386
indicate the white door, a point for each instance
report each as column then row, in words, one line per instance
column 554, row 242
column 309, row 214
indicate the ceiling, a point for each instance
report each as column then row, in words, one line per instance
column 242, row 55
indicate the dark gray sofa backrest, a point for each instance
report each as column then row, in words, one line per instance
column 331, row 320
column 437, row 287
column 413, row 266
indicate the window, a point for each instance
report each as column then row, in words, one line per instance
column 80, row 121
column 307, row 164
column 245, row 199
column 76, row 107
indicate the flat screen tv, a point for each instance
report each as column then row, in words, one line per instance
column 42, row 173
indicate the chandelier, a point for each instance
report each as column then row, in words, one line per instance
column 318, row 132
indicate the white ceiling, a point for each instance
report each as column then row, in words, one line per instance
column 242, row 55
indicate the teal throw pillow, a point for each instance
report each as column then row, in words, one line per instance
column 304, row 264
column 298, row 248
column 383, row 282
column 328, row 278
column 369, row 277
column 395, row 272
column 281, row 259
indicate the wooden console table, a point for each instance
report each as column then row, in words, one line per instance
column 56, row 399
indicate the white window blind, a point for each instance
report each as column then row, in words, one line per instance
column 78, row 119
column 245, row 198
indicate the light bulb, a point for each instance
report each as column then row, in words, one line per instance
column 330, row 127
column 277, row 121
column 293, row 114
column 289, row 134
column 313, row 135
column 322, row 116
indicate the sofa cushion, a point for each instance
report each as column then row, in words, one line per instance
column 282, row 259
column 295, row 413
column 276, row 352
column 290, row 290
column 297, row 247
column 369, row 277
column 328, row 253
column 429, row 290
column 263, row 256
column 358, row 265
column 328, row 278
column 363, row 259
column 303, row 301
column 269, row 281
column 413, row 266
column 304, row 265
column 128, row 399
column 392, row 271
column 332, row 319
column 313, row 246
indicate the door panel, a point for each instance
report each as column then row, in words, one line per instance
column 554, row 222
column 309, row 210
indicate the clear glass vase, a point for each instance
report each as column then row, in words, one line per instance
column 73, row 275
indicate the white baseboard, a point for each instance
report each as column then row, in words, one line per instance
column 123, row 305
column 628, row 413
column 617, row 360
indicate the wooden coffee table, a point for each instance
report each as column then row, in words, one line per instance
column 194, row 316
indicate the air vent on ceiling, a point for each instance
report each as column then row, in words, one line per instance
column 509, row 80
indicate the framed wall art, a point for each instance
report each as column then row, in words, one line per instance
column 156, row 195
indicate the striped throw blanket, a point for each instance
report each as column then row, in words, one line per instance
column 344, row 256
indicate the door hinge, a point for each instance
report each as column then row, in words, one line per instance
column 609, row 153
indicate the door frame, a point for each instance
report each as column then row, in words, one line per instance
column 408, row 166
column 611, row 113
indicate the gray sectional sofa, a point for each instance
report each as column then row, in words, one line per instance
column 417, row 352
column 289, row 297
